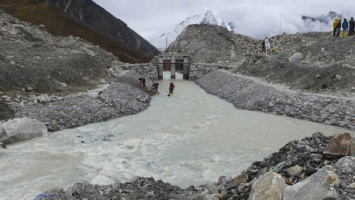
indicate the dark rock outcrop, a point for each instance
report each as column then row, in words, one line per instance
column 92, row 15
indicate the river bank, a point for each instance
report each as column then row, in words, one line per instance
column 245, row 93
column 120, row 98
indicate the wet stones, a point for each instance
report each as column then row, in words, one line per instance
column 140, row 188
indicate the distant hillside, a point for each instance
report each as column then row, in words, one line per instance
column 31, row 59
column 314, row 61
column 93, row 24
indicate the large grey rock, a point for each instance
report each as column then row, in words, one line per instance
column 269, row 186
column 20, row 129
column 319, row 186
column 347, row 162
column 295, row 57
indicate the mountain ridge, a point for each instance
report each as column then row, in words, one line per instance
column 323, row 19
column 59, row 23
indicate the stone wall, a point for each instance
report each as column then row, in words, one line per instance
column 247, row 94
column 147, row 70
column 199, row 69
column 196, row 70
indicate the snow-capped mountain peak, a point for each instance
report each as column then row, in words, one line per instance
column 209, row 18
column 205, row 18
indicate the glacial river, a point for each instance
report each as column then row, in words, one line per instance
column 191, row 138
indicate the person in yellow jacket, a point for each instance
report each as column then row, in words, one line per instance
column 335, row 24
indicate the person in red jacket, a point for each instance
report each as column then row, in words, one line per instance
column 171, row 89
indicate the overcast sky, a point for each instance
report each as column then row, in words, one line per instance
column 255, row 18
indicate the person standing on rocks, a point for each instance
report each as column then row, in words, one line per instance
column 267, row 45
column 345, row 26
column 338, row 27
column 263, row 46
column 351, row 26
column 335, row 23
column 142, row 81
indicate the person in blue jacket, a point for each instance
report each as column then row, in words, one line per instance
column 155, row 87
column 345, row 25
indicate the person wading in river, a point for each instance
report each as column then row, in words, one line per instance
column 171, row 89
column 155, row 87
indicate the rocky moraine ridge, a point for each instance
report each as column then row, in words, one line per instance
column 316, row 167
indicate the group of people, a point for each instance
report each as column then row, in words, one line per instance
column 338, row 25
column 347, row 26
column 155, row 86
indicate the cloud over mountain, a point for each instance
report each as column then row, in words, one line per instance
column 208, row 17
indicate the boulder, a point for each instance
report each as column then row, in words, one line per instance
column 269, row 186
column 295, row 170
column 341, row 145
column 295, row 57
column 20, row 129
column 346, row 163
column 317, row 187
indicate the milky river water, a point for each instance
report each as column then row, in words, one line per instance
column 191, row 138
